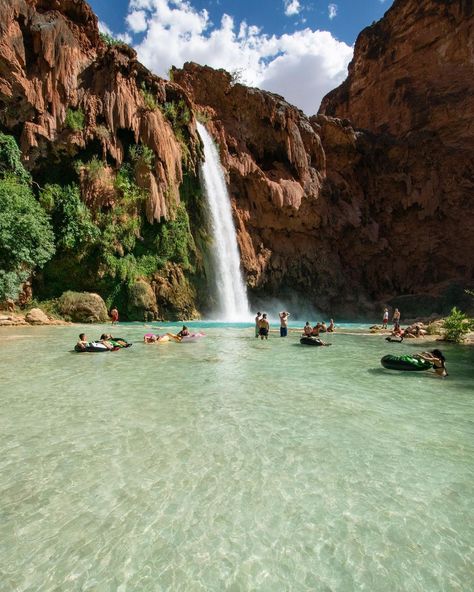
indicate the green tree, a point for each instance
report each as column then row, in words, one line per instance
column 26, row 236
column 72, row 219
column 10, row 159
column 75, row 119
column 456, row 326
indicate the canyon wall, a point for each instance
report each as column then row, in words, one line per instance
column 366, row 203
column 371, row 200
column 87, row 115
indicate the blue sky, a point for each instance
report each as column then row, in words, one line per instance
column 299, row 49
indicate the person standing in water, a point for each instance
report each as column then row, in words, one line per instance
column 257, row 326
column 385, row 318
column 114, row 315
column 396, row 320
column 263, row 327
column 284, row 323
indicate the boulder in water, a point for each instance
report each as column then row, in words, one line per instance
column 83, row 307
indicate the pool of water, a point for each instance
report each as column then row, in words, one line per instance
column 232, row 464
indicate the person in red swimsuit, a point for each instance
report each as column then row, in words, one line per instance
column 114, row 315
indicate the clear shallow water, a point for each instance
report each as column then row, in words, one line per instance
column 232, row 464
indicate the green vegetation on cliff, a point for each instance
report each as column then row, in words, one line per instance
column 26, row 236
column 105, row 243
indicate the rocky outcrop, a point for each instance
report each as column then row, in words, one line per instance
column 36, row 317
column 175, row 295
column 141, row 302
column 412, row 71
column 54, row 64
column 409, row 84
column 82, row 307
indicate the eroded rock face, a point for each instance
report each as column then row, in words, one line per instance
column 52, row 60
column 275, row 167
column 350, row 216
column 412, row 70
column 141, row 302
column 410, row 84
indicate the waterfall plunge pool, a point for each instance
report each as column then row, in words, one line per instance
column 232, row 464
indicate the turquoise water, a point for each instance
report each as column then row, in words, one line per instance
column 232, row 464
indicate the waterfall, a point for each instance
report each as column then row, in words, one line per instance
column 231, row 291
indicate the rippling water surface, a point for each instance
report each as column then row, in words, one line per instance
column 232, row 464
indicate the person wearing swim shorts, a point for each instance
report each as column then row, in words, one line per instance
column 263, row 327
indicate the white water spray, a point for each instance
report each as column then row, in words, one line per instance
column 231, row 291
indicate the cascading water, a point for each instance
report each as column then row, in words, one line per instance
column 231, row 292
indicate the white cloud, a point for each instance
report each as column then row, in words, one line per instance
column 104, row 28
column 332, row 11
column 292, row 7
column 302, row 66
column 136, row 20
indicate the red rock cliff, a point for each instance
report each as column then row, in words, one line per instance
column 52, row 59
column 346, row 215
column 412, row 71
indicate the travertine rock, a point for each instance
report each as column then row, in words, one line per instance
column 52, row 60
column 37, row 317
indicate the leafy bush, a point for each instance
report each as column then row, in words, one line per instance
column 109, row 40
column 26, row 236
column 129, row 191
column 142, row 156
column 148, row 98
column 75, row 119
column 177, row 113
column 174, row 241
column 102, row 132
column 456, row 326
column 94, row 168
column 72, row 220
column 10, row 159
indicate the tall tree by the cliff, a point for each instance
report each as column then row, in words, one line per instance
column 26, row 236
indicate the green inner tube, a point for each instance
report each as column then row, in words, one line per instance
column 405, row 362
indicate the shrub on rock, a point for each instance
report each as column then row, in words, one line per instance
column 82, row 307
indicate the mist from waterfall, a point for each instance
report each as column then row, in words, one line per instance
column 230, row 288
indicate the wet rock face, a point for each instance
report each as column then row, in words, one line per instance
column 275, row 167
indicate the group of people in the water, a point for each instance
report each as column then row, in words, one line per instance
column 183, row 334
column 106, row 342
column 310, row 336
column 262, row 326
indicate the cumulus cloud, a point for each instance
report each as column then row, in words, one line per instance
column 104, row 28
column 136, row 20
column 332, row 11
column 302, row 66
column 292, row 7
